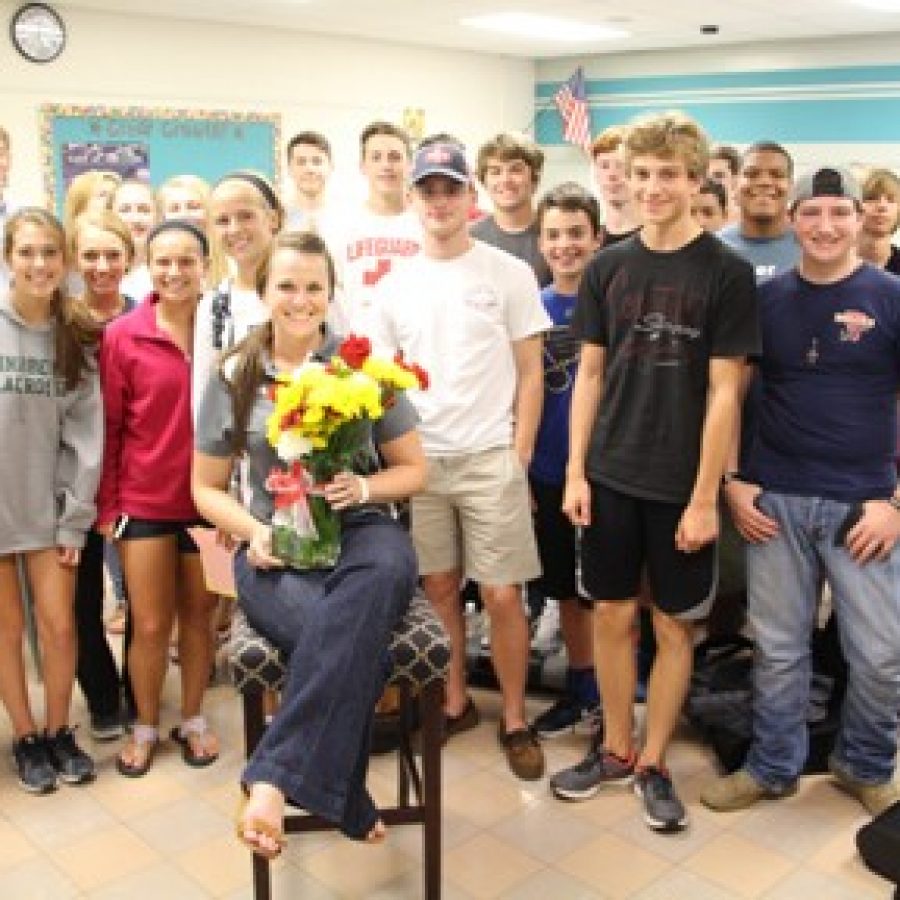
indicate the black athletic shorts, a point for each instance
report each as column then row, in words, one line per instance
column 629, row 535
column 557, row 542
column 133, row 529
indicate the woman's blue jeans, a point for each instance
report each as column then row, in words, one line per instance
column 334, row 627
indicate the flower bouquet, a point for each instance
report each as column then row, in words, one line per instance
column 319, row 427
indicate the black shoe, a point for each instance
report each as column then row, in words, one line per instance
column 36, row 772
column 106, row 726
column 71, row 763
column 569, row 715
column 663, row 811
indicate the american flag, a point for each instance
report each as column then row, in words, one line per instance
column 571, row 101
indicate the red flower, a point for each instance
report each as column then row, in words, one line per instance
column 355, row 351
column 415, row 368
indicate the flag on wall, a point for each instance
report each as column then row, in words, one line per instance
column 571, row 101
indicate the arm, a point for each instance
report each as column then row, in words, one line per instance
column 78, row 465
column 587, row 394
column 529, row 400
column 700, row 521
column 204, row 357
column 112, row 385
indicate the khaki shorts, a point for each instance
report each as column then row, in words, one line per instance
column 475, row 516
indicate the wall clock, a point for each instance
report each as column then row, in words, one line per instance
column 38, row 32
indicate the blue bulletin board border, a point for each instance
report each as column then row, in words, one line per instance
column 162, row 142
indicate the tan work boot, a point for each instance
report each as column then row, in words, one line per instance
column 876, row 798
column 738, row 791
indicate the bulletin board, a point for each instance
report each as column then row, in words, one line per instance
column 154, row 144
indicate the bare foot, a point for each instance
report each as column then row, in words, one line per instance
column 260, row 820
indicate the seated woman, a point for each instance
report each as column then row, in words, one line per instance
column 334, row 625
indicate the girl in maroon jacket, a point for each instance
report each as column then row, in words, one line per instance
column 145, row 493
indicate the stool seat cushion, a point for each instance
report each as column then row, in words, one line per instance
column 420, row 651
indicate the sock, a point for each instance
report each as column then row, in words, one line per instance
column 582, row 685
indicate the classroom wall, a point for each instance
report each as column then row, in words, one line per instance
column 834, row 100
column 335, row 85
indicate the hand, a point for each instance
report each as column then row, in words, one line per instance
column 753, row 524
column 698, row 527
column 577, row 501
column 106, row 531
column 524, row 454
column 876, row 533
column 68, row 556
column 259, row 550
column 345, row 490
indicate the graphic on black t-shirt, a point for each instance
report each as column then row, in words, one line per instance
column 561, row 351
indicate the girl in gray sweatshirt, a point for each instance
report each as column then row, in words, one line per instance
column 51, row 420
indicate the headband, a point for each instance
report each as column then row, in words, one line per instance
column 260, row 184
column 180, row 225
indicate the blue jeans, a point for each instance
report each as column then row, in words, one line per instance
column 335, row 628
column 783, row 585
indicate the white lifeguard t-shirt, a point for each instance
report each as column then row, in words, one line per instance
column 458, row 319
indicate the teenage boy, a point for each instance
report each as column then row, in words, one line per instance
column 666, row 320
column 509, row 166
column 881, row 218
column 309, row 166
column 723, row 167
column 710, row 206
column 818, row 500
column 611, row 180
column 472, row 316
column 381, row 236
column 568, row 223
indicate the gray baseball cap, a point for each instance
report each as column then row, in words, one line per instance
column 828, row 181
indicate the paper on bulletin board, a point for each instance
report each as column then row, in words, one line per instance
column 217, row 562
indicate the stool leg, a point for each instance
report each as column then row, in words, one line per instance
column 254, row 725
column 431, row 702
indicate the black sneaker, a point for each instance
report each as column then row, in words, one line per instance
column 598, row 768
column 71, row 763
column 106, row 726
column 36, row 772
column 569, row 715
column 663, row 811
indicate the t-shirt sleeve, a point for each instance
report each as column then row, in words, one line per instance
column 734, row 327
column 397, row 421
column 215, row 420
column 525, row 313
column 589, row 319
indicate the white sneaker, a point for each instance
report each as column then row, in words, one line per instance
column 547, row 636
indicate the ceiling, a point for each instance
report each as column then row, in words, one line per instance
column 653, row 24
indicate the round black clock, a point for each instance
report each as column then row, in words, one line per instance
column 37, row 32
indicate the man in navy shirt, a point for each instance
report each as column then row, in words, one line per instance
column 818, row 499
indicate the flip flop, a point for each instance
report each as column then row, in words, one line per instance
column 242, row 826
column 130, row 770
column 196, row 760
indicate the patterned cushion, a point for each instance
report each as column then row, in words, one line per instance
column 420, row 650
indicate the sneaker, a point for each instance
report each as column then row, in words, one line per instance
column 523, row 752
column 569, row 715
column 106, row 726
column 876, row 798
column 663, row 811
column 584, row 779
column 738, row 791
column 71, row 763
column 36, row 772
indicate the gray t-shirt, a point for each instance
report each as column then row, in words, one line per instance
column 769, row 257
column 215, row 430
column 521, row 244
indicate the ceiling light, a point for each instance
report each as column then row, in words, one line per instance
column 546, row 28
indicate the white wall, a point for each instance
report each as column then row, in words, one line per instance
column 334, row 85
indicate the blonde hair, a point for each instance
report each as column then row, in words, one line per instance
column 608, row 141
column 670, row 135
column 192, row 183
column 882, row 183
column 106, row 220
column 80, row 191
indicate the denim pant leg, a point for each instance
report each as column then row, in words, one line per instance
column 866, row 600
column 336, row 627
column 782, row 593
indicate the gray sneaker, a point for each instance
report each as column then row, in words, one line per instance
column 663, row 811
column 72, row 764
column 36, row 772
column 583, row 780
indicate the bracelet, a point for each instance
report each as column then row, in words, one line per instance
column 363, row 489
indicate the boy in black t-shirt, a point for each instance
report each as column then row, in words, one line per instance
column 666, row 319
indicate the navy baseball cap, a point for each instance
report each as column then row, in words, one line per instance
column 829, row 181
column 440, row 159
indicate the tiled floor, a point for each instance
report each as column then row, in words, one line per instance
column 168, row 836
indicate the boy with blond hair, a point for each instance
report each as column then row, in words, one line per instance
column 666, row 320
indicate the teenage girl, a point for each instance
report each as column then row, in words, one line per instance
column 145, row 498
column 334, row 625
column 135, row 203
column 184, row 197
column 51, row 420
column 88, row 192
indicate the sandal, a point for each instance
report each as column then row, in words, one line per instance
column 193, row 727
column 142, row 736
column 261, row 826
